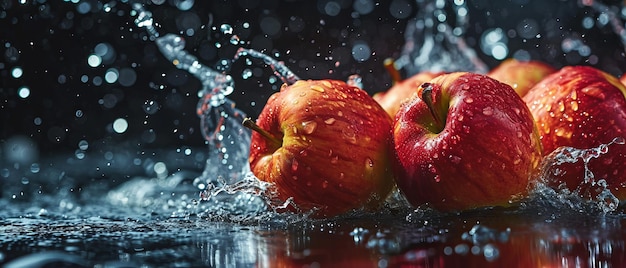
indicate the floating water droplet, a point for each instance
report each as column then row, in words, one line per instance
column 355, row 80
column 226, row 29
column 234, row 40
column 150, row 107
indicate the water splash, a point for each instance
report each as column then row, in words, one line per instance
column 279, row 68
column 228, row 189
column 220, row 123
column 432, row 44
column 590, row 195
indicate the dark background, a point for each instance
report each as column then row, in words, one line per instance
column 51, row 41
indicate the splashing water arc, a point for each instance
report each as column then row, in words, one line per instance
column 592, row 194
column 226, row 181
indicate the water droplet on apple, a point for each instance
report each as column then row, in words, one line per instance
column 341, row 177
column 437, row 178
column 468, row 100
column 594, row 92
column 561, row 106
column 294, row 165
column 334, row 159
column 432, row 168
column 295, row 178
column 517, row 160
column 309, row 126
column 574, row 105
column 330, row 121
column 302, row 94
column 466, row 129
column 488, row 111
column 325, row 184
column 548, row 107
column 561, row 132
column 340, row 113
column 455, row 159
column 349, row 135
column 327, row 83
column 317, row 88
column 465, row 86
column 369, row 162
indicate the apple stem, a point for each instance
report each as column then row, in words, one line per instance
column 249, row 123
column 391, row 69
column 427, row 97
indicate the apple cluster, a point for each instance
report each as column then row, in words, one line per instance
column 454, row 141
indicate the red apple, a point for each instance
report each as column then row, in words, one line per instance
column 583, row 107
column 325, row 144
column 521, row 75
column 466, row 141
column 402, row 91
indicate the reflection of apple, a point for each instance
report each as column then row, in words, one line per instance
column 583, row 107
column 325, row 144
column 467, row 141
column 521, row 75
column 402, row 91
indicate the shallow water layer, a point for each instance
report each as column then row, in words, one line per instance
column 482, row 238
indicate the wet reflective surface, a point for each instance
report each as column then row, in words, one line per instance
column 484, row 238
column 120, row 144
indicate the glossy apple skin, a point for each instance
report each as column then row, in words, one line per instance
column 483, row 154
column 583, row 107
column 521, row 75
column 337, row 151
column 401, row 92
